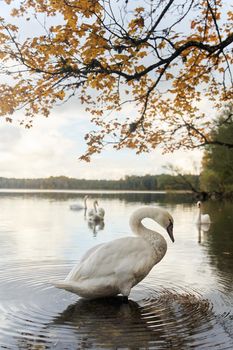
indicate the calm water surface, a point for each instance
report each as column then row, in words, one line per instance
column 186, row 302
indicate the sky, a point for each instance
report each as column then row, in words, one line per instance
column 54, row 144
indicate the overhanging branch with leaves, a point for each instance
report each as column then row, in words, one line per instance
column 110, row 54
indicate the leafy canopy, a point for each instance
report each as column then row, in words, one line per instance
column 162, row 56
column 217, row 174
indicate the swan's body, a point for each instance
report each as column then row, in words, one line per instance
column 202, row 219
column 80, row 206
column 115, row 267
column 92, row 211
column 101, row 212
column 96, row 214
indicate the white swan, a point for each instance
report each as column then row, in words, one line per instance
column 94, row 215
column 100, row 211
column 202, row 218
column 115, row 267
column 80, row 206
column 92, row 211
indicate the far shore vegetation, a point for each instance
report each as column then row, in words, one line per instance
column 144, row 183
column 161, row 182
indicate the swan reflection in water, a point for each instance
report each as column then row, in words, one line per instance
column 95, row 227
column 110, row 323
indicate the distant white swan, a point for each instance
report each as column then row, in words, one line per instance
column 96, row 214
column 202, row 218
column 92, row 211
column 115, row 267
column 80, row 206
column 100, row 211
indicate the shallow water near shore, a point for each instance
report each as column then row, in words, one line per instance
column 186, row 302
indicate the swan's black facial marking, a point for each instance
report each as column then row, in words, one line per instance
column 170, row 230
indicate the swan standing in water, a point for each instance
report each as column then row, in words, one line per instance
column 202, row 218
column 115, row 267
column 80, row 206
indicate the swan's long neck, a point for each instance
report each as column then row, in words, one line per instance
column 95, row 207
column 155, row 239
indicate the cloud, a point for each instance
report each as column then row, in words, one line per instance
column 53, row 145
column 37, row 152
column 115, row 165
column 10, row 136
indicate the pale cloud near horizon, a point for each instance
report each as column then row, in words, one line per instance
column 53, row 145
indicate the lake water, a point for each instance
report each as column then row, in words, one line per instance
column 186, row 302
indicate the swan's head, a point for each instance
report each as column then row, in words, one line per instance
column 160, row 215
column 166, row 221
column 199, row 204
column 85, row 197
column 164, row 218
column 170, row 230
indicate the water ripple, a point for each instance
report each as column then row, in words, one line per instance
column 35, row 314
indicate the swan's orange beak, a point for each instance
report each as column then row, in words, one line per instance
column 170, row 231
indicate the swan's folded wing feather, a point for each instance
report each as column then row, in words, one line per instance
column 129, row 255
column 90, row 251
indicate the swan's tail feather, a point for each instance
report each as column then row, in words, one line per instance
column 64, row 285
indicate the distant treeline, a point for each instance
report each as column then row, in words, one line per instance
column 147, row 182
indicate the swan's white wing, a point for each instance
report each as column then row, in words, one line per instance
column 205, row 219
column 90, row 251
column 91, row 212
column 101, row 212
column 129, row 257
